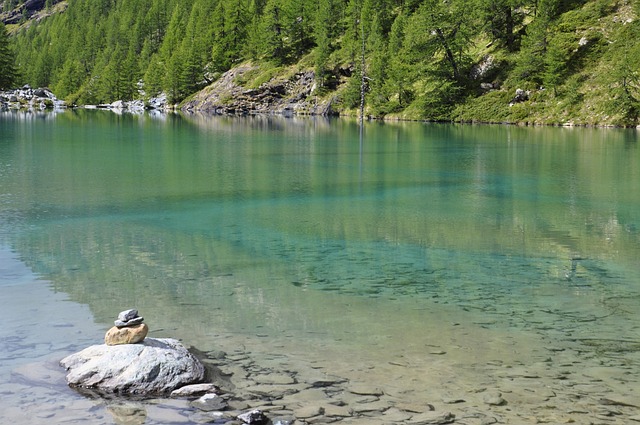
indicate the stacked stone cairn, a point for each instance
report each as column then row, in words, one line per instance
column 128, row 329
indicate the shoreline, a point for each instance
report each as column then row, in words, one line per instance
column 43, row 99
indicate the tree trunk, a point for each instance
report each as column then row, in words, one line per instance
column 449, row 54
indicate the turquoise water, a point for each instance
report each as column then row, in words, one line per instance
column 281, row 230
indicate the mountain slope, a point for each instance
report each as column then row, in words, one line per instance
column 526, row 61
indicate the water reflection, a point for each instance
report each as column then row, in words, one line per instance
column 294, row 229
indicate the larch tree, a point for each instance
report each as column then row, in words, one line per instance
column 322, row 34
column 272, row 31
column 399, row 82
column 8, row 71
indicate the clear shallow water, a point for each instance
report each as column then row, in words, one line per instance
column 502, row 247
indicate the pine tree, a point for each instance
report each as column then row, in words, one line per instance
column 272, row 32
column 352, row 39
column 252, row 45
column 219, row 56
column 70, row 79
column 235, row 29
column 154, row 76
column 8, row 71
column 378, row 68
column 501, row 17
column 297, row 27
column 398, row 85
column 531, row 59
column 173, row 56
column 555, row 62
column 322, row 37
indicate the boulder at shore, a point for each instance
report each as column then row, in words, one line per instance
column 153, row 367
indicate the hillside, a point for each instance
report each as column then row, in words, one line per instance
column 525, row 61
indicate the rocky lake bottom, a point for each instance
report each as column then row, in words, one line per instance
column 457, row 369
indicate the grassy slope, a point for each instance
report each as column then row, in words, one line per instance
column 584, row 97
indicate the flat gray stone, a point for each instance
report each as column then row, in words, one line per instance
column 133, row 322
column 195, row 390
column 432, row 418
column 394, row 415
column 154, row 366
column 274, row 378
column 362, row 389
column 127, row 315
column 307, row 412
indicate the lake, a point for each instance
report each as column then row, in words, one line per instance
column 490, row 272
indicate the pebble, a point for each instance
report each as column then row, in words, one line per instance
column 494, row 399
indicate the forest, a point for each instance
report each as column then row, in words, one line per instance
column 570, row 61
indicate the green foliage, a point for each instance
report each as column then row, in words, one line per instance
column 8, row 71
column 493, row 107
column 578, row 57
column 623, row 78
column 502, row 18
column 323, row 31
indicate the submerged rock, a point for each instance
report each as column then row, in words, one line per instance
column 254, row 417
column 155, row 366
column 195, row 390
column 210, row 402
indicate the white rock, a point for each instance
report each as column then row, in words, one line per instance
column 195, row 390
column 210, row 402
column 155, row 366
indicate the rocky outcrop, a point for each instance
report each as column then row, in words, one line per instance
column 154, row 366
column 294, row 95
column 29, row 98
column 32, row 10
